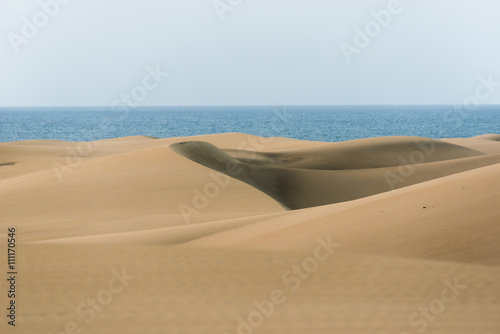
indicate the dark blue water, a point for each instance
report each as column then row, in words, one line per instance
column 322, row 123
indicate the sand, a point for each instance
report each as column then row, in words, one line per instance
column 139, row 234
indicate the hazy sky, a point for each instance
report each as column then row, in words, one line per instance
column 263, row 52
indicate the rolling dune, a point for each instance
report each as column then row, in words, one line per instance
column 297, row 180
column 190, row 250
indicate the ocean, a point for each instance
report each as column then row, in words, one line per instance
column 320, row 123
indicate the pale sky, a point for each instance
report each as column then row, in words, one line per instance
column 264, row 52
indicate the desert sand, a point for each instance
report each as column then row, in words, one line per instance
column 234, row 233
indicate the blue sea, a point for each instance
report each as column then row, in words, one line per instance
column 321, row 123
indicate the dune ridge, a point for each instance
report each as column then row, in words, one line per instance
column 297, row 180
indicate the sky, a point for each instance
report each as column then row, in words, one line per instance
column 248, row 52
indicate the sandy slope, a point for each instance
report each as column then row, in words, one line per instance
column 116, row 188
column 299, row 179
column 375, row 264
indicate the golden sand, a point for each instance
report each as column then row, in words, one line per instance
column 145, row 235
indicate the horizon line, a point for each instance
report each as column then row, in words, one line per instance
column 246, row 105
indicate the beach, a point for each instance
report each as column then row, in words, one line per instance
column 234, row 233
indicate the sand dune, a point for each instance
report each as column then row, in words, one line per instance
column 489, row 136
column 203, row 252
column 298, row 180
column 120, row 190
column 358, row 154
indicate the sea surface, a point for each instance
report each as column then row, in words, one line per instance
column 320, row 123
